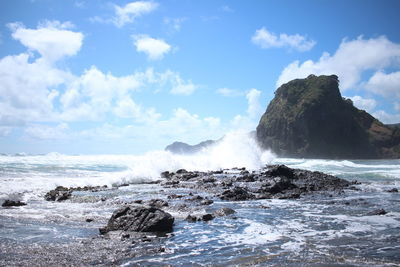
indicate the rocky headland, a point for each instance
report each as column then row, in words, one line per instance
column 309, row 118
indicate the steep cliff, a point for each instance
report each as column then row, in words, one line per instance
column 309, row 118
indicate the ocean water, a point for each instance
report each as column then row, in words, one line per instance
column 312, row 231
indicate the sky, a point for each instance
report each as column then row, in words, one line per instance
column 126, row 77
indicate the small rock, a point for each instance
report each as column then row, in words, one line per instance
column 191, row 218
column 13, row 203
column 224, row 212
column 180, row 171
column 393, row 190
column 377, row 212
column 207, row 217
column 159, row 203
column 89, row 220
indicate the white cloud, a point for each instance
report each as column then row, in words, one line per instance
column 266, row 39
column 350, row 60
column 129, row 12
column 249, row 121
column 367, row 104
column 254, row 109
column 51, row 39
column 387, row 85
column 385, row 117
column 127, row 108
column 155, row 49
column 181, row 87
column 46, row 132
column 229, row 92
column 26, row 89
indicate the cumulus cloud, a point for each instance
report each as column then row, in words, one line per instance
column 266, row 39
column 385, row 117
column 128, row 13
column 387, row 85
column 45, row 132
column 155, row 49
column 367, row 104
column 248, row 122
column 351, row 59
column 51, row 39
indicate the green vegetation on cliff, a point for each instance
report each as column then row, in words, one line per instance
column 309, row 118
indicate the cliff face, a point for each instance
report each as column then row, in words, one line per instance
column 309, row 118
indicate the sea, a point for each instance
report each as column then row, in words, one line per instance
column 325, row 230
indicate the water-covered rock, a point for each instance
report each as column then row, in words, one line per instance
column 377, row 212
column 13, row 203
column 139, row 219
column 237, row 194
column 223, row 212
column 59, row 194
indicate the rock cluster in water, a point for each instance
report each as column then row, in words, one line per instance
column 61, row 193
column 277, row 181
column 309, row 118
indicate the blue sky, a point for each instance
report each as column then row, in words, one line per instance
column 83, row 77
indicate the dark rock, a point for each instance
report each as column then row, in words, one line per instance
column 281, row 186
column 191, row 218
column 13, row 203
column 139, row 219
column 308, row 118
column 237, row 194
column 377, row 212
column 89, row 220
column 175, row 196
column 167, row 174
column 180, row 171
column 207, row 217
column 280, row 171
column 393, row 190
column 223, row 212
column 158, row 203
column 58, row 194
column 209, row 180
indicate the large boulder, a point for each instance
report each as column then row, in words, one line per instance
column 139, row 219
column 309, row 118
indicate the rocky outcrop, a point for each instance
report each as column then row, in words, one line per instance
column 276, row 181
column 13, row 203
column 309, row 118
column 139, row 219
column 183, row 148
column 61, row 193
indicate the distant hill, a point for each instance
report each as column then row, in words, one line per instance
column 309, row 118
column 183, row 148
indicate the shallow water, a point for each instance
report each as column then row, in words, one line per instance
column 311, row 231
